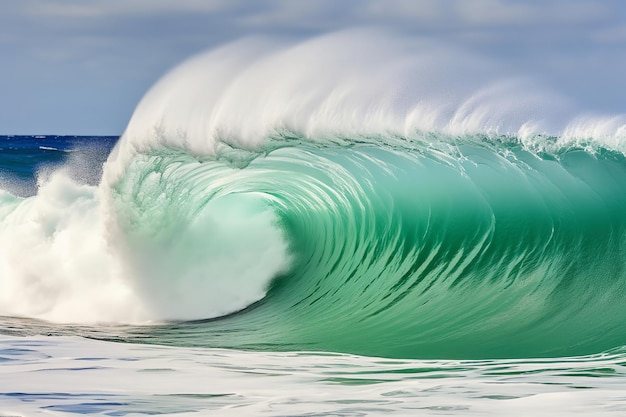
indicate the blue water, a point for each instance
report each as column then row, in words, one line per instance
column 23, row 157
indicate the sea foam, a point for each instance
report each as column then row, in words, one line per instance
column 352, row 83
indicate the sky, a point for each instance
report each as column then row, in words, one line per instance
column 80, row 67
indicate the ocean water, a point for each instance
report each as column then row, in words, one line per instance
column 319, row 228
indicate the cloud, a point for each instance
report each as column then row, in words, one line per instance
column 424, row 10
column 113, row 8
column 612, row 35
column 500, row 12
column 276, row 14
column 494, row 12
column 114, row 49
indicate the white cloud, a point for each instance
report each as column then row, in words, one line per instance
column 494, row 11
column 288, row 13
column 502, row 12
column 615, row 34
column 111, row 8
column 130, row 42
column 421, row 10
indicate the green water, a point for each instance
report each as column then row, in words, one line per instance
column 464, row 250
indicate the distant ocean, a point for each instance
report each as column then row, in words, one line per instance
column 312, row 229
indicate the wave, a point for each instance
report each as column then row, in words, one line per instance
column 357, row 192
column 351, row 84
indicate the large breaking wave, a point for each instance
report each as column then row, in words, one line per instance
column 356, row 192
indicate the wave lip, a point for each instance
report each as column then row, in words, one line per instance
column 350, row 84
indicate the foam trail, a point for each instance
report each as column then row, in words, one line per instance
column 199, row 382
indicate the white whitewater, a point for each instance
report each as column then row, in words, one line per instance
column 348, row 84
column 61, row 376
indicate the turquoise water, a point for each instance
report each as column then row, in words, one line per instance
column 479, row 251
column 282, row 230
column 459, row 249
column 433, row 264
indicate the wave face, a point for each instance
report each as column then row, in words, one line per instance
column 482, row 249
column 399, row 199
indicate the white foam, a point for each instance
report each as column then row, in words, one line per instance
column 357, row 82
column 71, row 375
column 64, row 258
column 55, row 260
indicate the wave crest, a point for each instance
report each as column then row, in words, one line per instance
column 344, row 85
